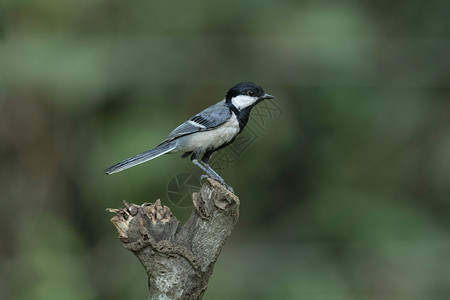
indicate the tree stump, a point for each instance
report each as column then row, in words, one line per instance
column 179, row 260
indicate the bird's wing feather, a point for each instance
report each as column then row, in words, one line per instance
column 207, row 119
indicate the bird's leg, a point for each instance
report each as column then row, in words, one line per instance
column 209, row 171
column 204, row 165
column 208, row 167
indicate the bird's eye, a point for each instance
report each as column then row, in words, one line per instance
column 250, row 93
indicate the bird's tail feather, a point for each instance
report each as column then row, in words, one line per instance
column 141, row 158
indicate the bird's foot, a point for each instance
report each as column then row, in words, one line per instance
column 229, row 188
column 202, row 177
column 220, row 180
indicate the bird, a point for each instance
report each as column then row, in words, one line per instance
column 207, row 132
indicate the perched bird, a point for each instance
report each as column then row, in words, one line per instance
column 208, row 131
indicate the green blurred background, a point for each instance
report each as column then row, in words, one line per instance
column 344, row 195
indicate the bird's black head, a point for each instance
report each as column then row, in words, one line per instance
column 245, row 88
column 242, row 97
column 246, row 94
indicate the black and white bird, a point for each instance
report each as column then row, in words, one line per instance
column 208, row 131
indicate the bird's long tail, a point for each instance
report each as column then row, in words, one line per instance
column 141, row 158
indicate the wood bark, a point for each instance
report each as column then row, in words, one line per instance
column 179, row 260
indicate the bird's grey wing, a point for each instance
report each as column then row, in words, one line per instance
column 207, row 119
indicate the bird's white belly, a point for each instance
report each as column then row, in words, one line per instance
column 212, row 139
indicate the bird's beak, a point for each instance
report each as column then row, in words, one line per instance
column 265, row 96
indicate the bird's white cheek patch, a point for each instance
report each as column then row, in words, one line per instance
column 243, row 101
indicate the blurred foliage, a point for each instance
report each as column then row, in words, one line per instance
column 344, row 196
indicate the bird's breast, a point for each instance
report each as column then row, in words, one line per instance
column 214, row 138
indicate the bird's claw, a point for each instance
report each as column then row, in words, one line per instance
column 229, row 188
column 202, row 177
column 220, row 180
